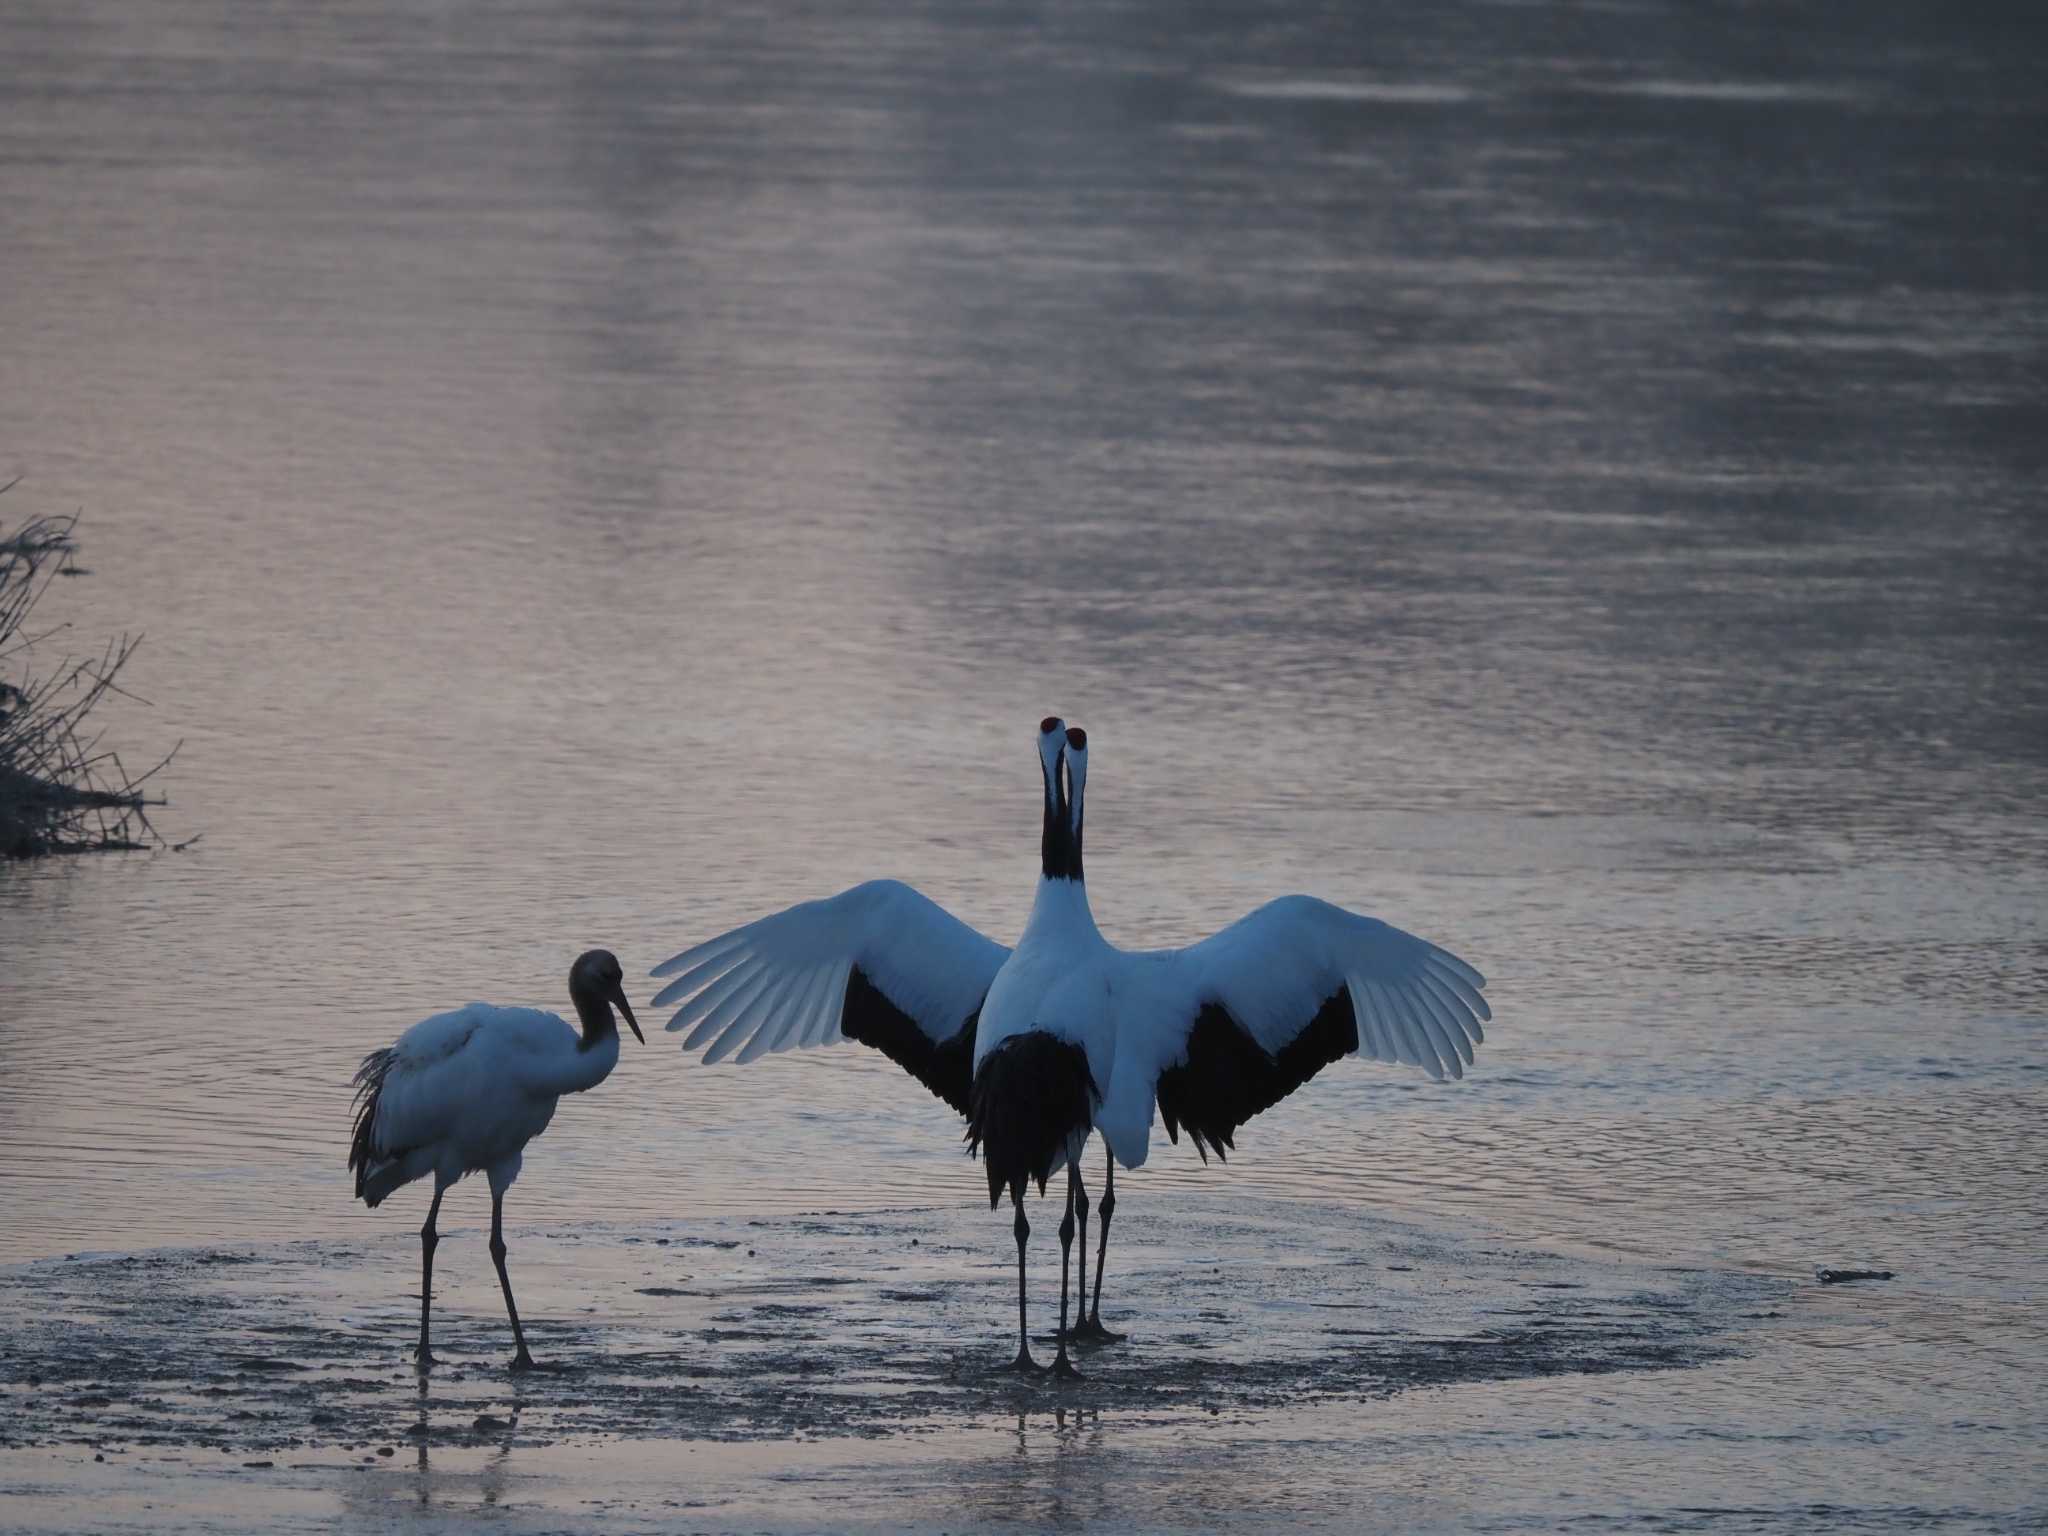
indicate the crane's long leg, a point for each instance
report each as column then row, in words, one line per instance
column 522, row 1361
column 429, row 1240
column 1061, row 1365
column 1022, row 1228
column 1081, row 1283
column 1092, row 1328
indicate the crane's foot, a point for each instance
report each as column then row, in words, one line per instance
column 423, row 1359
column 523, row 1361
column 1063, row 1368
column 1091, row 1332
column 1023, row 1365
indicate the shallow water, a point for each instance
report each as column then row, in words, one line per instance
column 1564, row 479
column 1286, row 1365
column 1267, row 1346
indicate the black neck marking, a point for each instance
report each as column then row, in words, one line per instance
column 1059, row 849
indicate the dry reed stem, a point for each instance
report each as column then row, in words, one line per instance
column 60, row 790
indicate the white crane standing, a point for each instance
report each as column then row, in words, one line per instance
column 1037, row 1045
column 465, row 1091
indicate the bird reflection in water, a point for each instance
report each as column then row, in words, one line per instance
column 491, row 1479
column 1022, row 1487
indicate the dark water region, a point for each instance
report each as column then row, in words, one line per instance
column 1563, row 478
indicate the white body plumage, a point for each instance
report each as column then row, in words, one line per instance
column 466, row 1090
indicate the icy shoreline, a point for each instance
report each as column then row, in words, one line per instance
column 822, row 1325
column 240, row 1385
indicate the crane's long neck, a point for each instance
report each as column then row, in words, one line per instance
column 1060, row 911
column 597, row 1052
column 573, row 1071
column 1059, row 846
column 1059, row 854
column 599, row 1023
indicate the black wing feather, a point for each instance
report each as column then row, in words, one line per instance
column 1227, row 1076
column 947, row 1068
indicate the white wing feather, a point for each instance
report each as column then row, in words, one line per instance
column 450, row 1072
column 781, row 981
column 1273, row 969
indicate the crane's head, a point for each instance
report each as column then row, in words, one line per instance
column 597, row 985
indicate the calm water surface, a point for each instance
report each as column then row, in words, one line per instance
column 1564, row 479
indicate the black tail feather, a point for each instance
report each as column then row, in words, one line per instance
column 1032, row 1093
column 369, row 1086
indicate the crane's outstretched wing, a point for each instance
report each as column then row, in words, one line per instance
column 880, row 963
column 1277, row 996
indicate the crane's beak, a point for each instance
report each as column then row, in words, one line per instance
column 619, row 997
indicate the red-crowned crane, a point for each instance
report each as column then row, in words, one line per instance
column 1039, row 1044
column 465, row 1091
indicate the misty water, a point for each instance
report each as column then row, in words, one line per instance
column 1564, row 479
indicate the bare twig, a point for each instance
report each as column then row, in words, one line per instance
column 59, row 793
